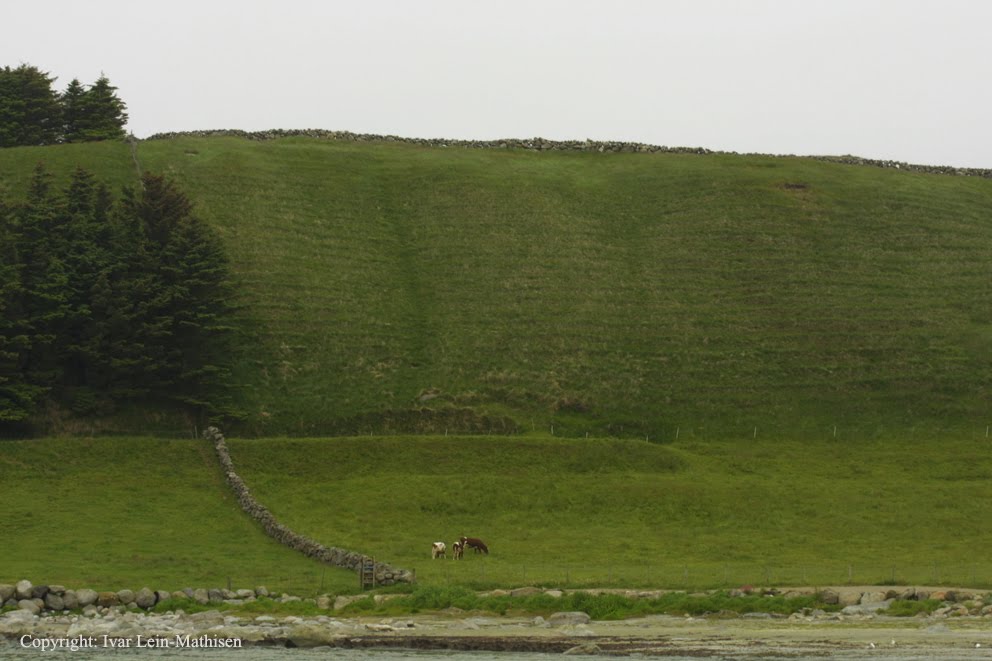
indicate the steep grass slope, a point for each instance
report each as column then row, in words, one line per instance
column 391, row 287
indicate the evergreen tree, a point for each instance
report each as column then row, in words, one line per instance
column 72, row 111
column 42, row 246
column 17, row 396
column 183, row 318
column 101, row 114
column 30, row 112
column 89, row 259
column 103, row 303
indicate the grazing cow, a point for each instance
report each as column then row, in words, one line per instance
column 437, row 550
column 457, row 551
column 475, row 543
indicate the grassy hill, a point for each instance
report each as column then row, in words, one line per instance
column 390, row 287
column 127, row 512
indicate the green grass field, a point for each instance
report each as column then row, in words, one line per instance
column 395, row 288
column 756, row 370
column 131, row 512
column 111, row 513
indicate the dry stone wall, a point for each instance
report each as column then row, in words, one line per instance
column 384, row 574
column 24, row 595
column 541, row 144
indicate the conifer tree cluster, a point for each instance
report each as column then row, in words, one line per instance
column 32, row 113
column 104, row 302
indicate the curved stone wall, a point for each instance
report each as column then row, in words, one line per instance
column 540, row 144
column 384, row 574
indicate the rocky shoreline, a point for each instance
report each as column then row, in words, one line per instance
column 569, row 633
column 120, row 620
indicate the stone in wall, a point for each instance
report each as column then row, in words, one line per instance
column 541, row 144
column 384, row 574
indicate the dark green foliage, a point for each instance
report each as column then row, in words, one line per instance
column 93, row 114
column 73, row 100
column 180, row 320
column 17, row 396
column 106, row 303
column 30, row 113
column 597, row 606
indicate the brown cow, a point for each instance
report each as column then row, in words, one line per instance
column 475, row 543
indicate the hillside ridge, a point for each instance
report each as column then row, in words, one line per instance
column 543, row 144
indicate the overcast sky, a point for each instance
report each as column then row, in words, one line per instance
column 900, row 79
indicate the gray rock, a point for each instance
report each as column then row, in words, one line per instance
column 125, row 596
column 587, row 648
column 866, row 609
column 525, row 592
column 39, row 592
column 179, row 594
column 162, row 595
column 91, row 610
column 70, row 599
column 54, row 602
column 145, row 598
column 201, row 596
column 215, row 596
column 829, row 596
column 244, row 594
column 211, row 618
column 6, row 592
column 29, row 605
column 23, row 590
column 568, row 618
column 86, row 597
column 324, row 602
column 310, row 634
column 343, row 601
column 57, row 589
column 261, row 591
column 107, row 599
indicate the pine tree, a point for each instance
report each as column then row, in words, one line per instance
column 101, row 114
column 89, row 259
column 72, row 111
column 183, row 318
column 30, row 112
column 17, row 396
column 42, row 245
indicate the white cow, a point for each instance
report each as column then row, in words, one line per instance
column 437, row 550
